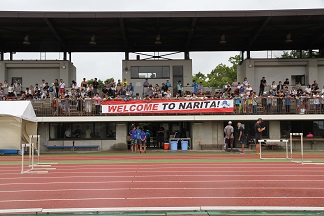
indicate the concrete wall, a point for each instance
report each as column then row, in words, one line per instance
column 138, row 83
column 207, row 132
column 33, row 71
column 280, row 69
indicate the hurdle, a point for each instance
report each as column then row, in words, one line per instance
column 37, row 137
column 301, row 150
column 273, row 141
column 33, row 168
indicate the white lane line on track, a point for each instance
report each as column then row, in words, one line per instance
column 152, row 176
column 178, row 181
column 168, row 188
column 151, row 198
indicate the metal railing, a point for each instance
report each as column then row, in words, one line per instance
column 260, row 106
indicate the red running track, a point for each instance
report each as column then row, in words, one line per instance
column 164, row 185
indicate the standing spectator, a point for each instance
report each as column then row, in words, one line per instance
column 88, row 104
column 241, row 135
column 195, row 86
column 62, row 86
column 57, row 89
column 263, row 83
column 229, row 137
column 146, row 83
column 132, row 134
column 258, row 134
column 179, row 88
column 95, row 85
column 84, row 84
column 168, row 84
column 97, row 103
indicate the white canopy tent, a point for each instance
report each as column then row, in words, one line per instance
column 18, row 122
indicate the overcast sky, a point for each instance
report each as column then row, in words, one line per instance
column 106, row 65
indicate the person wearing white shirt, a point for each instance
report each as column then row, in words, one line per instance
column 308, row 89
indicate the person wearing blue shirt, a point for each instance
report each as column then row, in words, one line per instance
column 133, row 136
column 168, row 84
column 195, row 86
column 143, row 141
column 138, row 137
column 131, row 87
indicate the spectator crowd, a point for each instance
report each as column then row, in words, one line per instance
column 87, row 98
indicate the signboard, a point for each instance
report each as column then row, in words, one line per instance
column 167, row 106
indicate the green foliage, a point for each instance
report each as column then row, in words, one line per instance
column 220, row 75
column 101, row 83
column 296, row 54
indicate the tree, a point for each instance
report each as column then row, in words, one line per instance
column 220, row 75
column 296, row 54
column 101, row 84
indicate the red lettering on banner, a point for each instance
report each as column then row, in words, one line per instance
column 112, row 109
column 170, row 106
column 120, row 108
column 148, row 107
column 132, row 108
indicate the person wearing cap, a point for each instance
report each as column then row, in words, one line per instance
column 258, row 134
column 229, row 137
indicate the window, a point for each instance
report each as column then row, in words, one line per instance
column 151, row 72
column 80, row 130
column 315, row 127
column 295, row 79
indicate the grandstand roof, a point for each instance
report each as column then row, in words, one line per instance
column 178, row 31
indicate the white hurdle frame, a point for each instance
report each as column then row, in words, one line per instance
column 273, row 141
column 301, row 150
column 39, row 164
column 301, row 147
column 31, row 159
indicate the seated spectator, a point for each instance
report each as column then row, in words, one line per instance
column 280, row 86
column 308, row 89
column 125, row 82
column 137, row 97
column 147, row 98
column 245, row 82
column 248, row 90
column 131, row 87
column 234, row 83
column 149, row 91
column 286, row 83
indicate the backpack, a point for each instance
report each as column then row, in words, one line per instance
column 50, row 89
